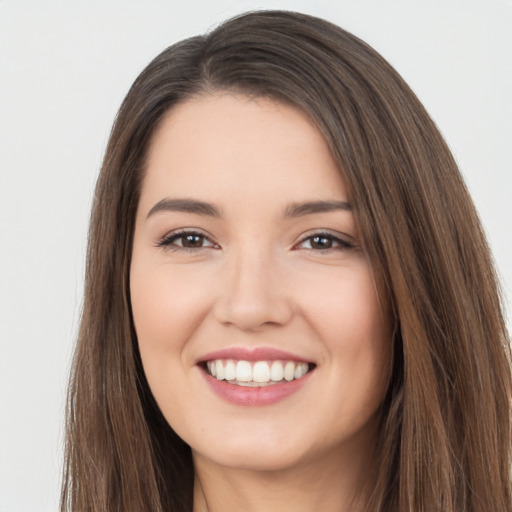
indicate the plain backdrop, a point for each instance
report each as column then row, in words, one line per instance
column 64, row 69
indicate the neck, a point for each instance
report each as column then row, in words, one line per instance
column 328, row 485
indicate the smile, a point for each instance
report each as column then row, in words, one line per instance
column 257, row 376
column 256, row 373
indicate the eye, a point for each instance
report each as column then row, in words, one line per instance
column 185, row 240
column 324, row 242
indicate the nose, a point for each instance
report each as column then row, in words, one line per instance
column 253, row 295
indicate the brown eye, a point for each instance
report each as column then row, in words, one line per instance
column 186, row 240
column 192, row 241
column 321, row 242
column 325, row 242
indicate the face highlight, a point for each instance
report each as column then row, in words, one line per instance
column 259, row 326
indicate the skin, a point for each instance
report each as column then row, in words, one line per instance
column 258, row 280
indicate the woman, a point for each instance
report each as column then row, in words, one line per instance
column 289, row 303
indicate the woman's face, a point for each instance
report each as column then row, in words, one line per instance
column 247, row 264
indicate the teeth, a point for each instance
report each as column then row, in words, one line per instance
column 261, row 372
column 245, row 373
column 276, row 371
column 289, row 371
column 300, row 370
column 221, row 374
column 230, row 371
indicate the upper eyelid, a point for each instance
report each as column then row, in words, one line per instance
column 342, row 237
column 343, row 241
column 176, row 233
column 187, row 231
column 182, row 232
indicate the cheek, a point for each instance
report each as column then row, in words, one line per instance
column 166, row 309
column 166, row 305
column 345, row 309
column 347, row 317
column 365, row 340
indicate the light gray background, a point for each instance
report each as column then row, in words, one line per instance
column 64, row 69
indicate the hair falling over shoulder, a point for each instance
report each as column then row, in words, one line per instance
column 445, row 438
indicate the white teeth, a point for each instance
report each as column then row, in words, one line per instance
column 220, row 370
column 300, row 370
column 276, row 371
column 245, row 373
column 261, row 372
column 230, row 371
column 212, row 368
column 289, row 371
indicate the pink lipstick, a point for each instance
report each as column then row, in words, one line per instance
column 254, row 377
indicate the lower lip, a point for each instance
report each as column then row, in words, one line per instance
column 257, row 396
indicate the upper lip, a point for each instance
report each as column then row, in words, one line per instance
column 252, row 354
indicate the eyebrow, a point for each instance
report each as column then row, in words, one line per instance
column 311, row 207
column 202, row 208
column 185, row 205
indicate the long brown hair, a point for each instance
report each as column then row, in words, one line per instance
column 445, row 435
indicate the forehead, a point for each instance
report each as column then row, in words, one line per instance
column 227, row 146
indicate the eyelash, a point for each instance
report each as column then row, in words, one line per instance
column 341, row 244
column 167, row 242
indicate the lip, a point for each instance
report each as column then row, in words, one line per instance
column 253, row 396
column 257, row 396
column 252, row 354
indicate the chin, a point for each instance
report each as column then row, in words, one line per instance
column 255, row 458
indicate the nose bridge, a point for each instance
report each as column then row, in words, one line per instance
column 253, row 294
